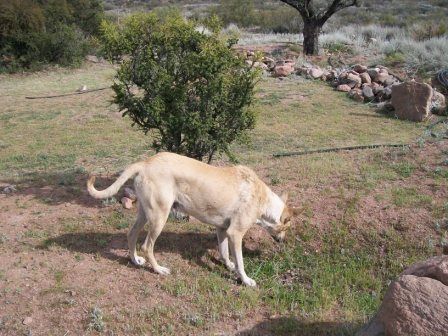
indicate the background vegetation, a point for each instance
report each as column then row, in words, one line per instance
column 33, row 33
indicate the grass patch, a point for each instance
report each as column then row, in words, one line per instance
column 404, row 169
column 344, row 276
column 410, row 197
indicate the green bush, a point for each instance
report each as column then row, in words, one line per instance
column 394, row 59
column 180, row 82
column 54, row 31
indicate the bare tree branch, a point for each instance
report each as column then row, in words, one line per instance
column 314, row 19
column 336, row 6
column 307, row 10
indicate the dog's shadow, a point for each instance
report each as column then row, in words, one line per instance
column 192, row 246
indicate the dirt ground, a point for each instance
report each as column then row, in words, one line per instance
column 57, row 262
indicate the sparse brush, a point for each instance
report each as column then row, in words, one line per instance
column 96, row 320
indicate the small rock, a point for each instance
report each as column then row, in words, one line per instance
column 259, row 65
column 343, row 88
column 129, row 193
column 381, row 77
column 343, row 75
column 365, row 78
column 334, row 83
column 390, row 80
column 316, row 73
column 27, row 320
column 71, row 292
column 332, row 74
column 282, row 70
column 302, row 70
column 9, row 189
column 368, row 92
column 126, row 202
column 92, row 58
column 270, row 62
column 377, row 88
column 356, row 94
column 387, row 92
column 353, row 80
column 360, row 68
column 82, row 88
column 373, row 72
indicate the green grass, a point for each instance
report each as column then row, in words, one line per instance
column 410, row 197
column 345, row 277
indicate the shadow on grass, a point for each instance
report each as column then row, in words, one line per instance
column 378, row 115
column 291, row 326
column 190, row 245
column 55, row 188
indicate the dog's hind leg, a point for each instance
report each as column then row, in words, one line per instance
column 157, row 220
column 133, row 236
column 236, row 242
column 223, row 246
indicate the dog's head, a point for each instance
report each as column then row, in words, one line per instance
column 278, row 231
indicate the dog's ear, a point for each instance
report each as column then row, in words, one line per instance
column 284, row 197
column 296, row 211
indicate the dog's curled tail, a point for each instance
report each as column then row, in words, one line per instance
column 128, row 173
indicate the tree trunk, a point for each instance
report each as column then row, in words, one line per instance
column 311, row 31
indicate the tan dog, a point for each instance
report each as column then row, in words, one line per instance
column 231, row 198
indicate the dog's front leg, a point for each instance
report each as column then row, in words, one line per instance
column 223, row 246
column 236, row 242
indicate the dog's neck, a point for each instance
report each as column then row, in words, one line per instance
column 272, row 211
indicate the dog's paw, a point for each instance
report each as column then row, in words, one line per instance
column 249, row 282
column 162, row 270
column 230, row 266
column 139, row 261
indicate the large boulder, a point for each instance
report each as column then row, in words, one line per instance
column 415, row 304
column 412, row 100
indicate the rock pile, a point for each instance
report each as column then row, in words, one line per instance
column 362, row 84
column 411, row 100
